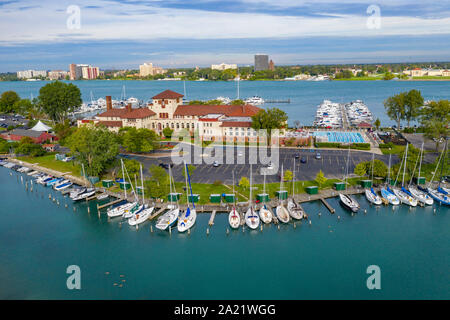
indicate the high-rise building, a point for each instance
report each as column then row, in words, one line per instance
column 57, row 74
column 147, row 69
column 28, row 74
column 85, row 71
column 261, row 62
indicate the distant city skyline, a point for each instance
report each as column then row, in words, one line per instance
column 121, row 34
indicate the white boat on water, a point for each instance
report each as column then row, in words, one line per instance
column 402, row 194
column 188, row 217
column 137, row 208
column 389, row 195
column 120, row 210
column 420, row 195
column 255, row 100
column 63, row 185
column 88, row 193
column 141, row 217
column 169, row 218
column 346, row 200
column 371, row 195
column 281, row 212
column 295, row 210
column 234, row 218
column 264, row 213
column 251, row 218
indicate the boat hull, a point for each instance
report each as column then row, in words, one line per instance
column 265, row 215
column 282, row 214
column 186, row 222
column 251, row 219
column 348, row 202
column 234, row 219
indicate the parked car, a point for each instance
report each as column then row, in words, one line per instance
column 216, row 164
column 165, row 165
column 297, row 156
column 303, row 160
column 67, row 159
column 318, row 156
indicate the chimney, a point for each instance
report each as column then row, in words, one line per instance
column 129, row 107
column 108, row 103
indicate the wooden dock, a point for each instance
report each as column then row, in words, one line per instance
column 158, row 212
column 109, row 203
column 211, row 219
column 327, row 205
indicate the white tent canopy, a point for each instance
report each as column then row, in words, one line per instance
column 40, row 126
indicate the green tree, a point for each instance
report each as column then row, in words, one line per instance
column 63, row 130
column 158, row 184
column 395, row 107
column 132, row 166
column 95, row 147
column 320, row 178
column 7, row 101
column 413, row 103
column 360, row 169
column 435, row 119
column 377, row 124
column 27, row 146
column 269, row 120
column 288, row 175
column 57, row 99
column 380, row 169
column 4, row 146
column 388, row 76
column 244, row 183
column 167, row 132
column 23, row 106
column 138, row 140
column 237, row 102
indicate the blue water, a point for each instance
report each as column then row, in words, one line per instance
column 325, row 260
column 333, row 136
column 304, row 95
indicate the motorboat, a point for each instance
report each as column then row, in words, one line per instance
column 88, row 193
column 255, row 100
column 63, row 185
column 348, row 202
column 54, row 181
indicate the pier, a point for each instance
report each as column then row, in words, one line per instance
column 211, row 219
column 326, row 204
column 278, row 101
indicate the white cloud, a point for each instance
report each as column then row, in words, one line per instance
column 131, row 21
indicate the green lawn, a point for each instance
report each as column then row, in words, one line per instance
column 431, row 78
column 49, row 161
column 394, row 150
column 361, row 78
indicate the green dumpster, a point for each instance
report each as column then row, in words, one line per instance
column 194, row 198
column 173, row 196
column 312, row 190
column 366, row 183
column 263, row 197
column 282, row 195
column 215, row 198
column 229, row 197
column 125, row 185
column 420, row 180
column 339, row 186
column 107, row 183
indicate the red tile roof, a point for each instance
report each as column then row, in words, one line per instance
column 139, row 113
column 168, row 94
column 230, row 111
column 113, row 113
column 111, row 124
column 244, row 124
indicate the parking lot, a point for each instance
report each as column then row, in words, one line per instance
column 332, row 163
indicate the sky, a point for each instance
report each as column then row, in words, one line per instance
column 116, row 34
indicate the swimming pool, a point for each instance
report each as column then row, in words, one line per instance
column 343, row 137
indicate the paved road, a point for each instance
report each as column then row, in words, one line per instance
column 332, row 163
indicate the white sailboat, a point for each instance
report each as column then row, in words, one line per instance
column 251, row 218
column 420, row 195
column 371, row 195
column 169, row 218
column 234, row 219
column 188, row 217
column 439, row 194
column 137, row 208
column 295, row 210
column 88, row 192
column 119, row 210
column 387, row 193
column 142, row 216
column 346, row 200
column 402, row 194
column 281, row 211
column 264, row 213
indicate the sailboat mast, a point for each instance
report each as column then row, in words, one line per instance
column 389, row 170
column 142, row 185
column 421, row 158
column 404, row 168
column 170, row 185
column 373, row 164
column 293, row 181
column 234, row 195
column 187, row 190
column 123, row 174
column 251, row 183
column 444, row 152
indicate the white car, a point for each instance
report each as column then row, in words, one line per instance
column 216, row 164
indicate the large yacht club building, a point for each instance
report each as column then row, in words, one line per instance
column 212, row 122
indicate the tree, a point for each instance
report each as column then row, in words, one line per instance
column 244, row 183
column 167, row 132
column 395, row 107
column 158, row 185
column 27, row 146
column 288, row 175
column 377, row 124
column 320, row 178
column 435, row 119
column 138, row 140
column 237, row 102
column 7, row 101
column 63, row 130
column 95, row 147
column 23, row 106
column 132, row 166
column 57, row 99
column 360, row 169
column 388, row 76
column 269, row 119
column 413, row 102
column 380, row 169
column 4, row 146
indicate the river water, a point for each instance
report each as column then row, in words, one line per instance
column 328, row 259
column 304, row 95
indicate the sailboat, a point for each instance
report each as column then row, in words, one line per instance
column 281, row 211
column 295, row 210
column 387, row 193
column 264, row 213
column 119, row 210
column 142, row 216
column 87, row 191
column 346, row 200
column 420, row 195
column 402, row 194
column 251, row 218
column 234, row 219
column 137, row 208
column 371, row 195
column 188, row 217
column 169, row 218
column 439, row 194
